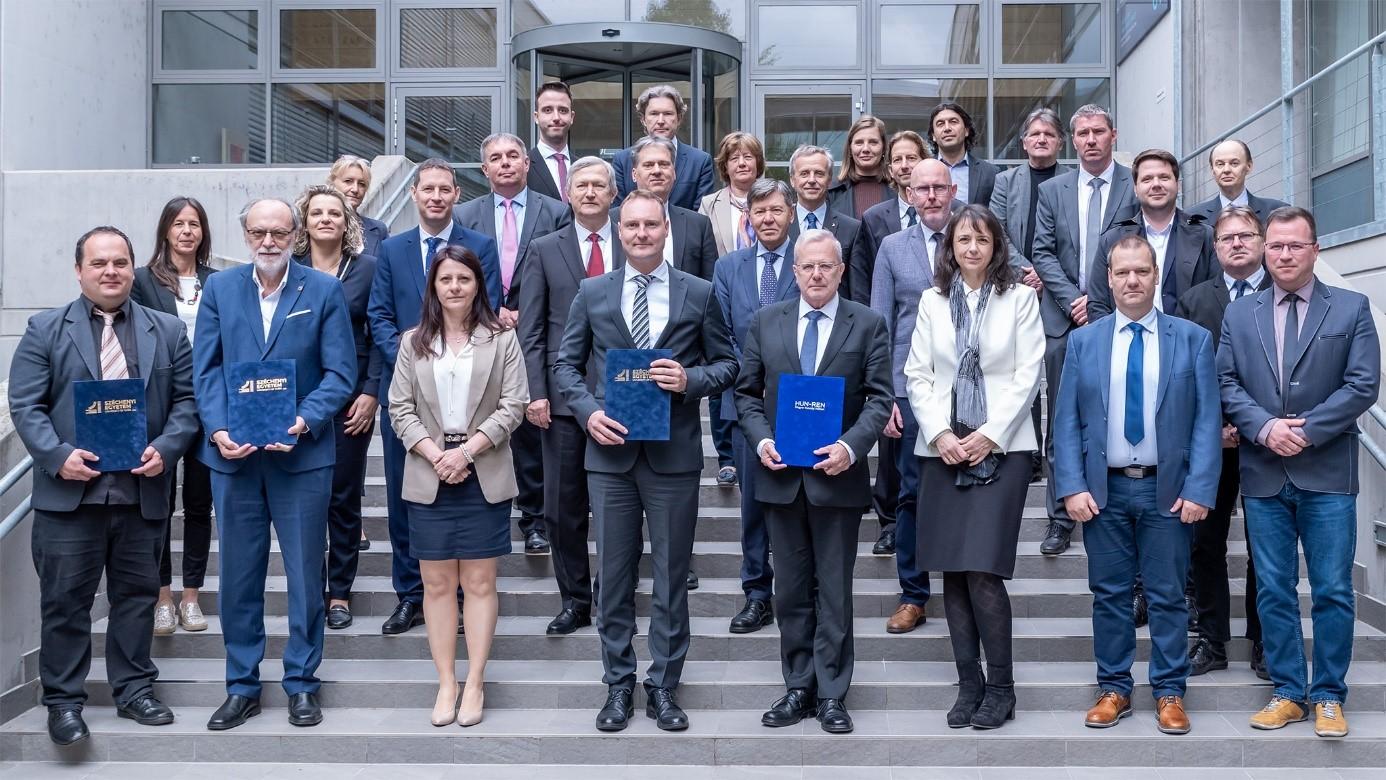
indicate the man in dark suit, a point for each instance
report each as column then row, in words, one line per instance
column 272, row 309
column 1073, row 211
column 952, row 134
column 1141, row 485
column 1298, row 364
column 88, row 522
column 550, row 157
column 690, row 246
column 813, row 513
column 746, row 281
column 661, row 110
column 395, row 305
column 512, row 215
column 1183, row 244
column 554, row 265
column 1230, row 162
column 646, row 304
column 1241, row 253
column 810, row 172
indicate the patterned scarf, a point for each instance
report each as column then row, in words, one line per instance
column 969, row 385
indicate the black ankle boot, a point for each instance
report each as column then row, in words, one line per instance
column 971, row 688
column 998, row 705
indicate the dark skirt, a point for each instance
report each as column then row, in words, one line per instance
column 460, row 524
column 972, row 528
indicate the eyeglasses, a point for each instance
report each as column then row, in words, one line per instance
column 280, row 236
column 937, row 189
column 1245, row 238
column 812, row 268
column 1294, row 248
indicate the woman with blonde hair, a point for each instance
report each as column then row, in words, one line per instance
column 352, row 175
column 865, row 177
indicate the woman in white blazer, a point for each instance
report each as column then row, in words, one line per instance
column 971, row 376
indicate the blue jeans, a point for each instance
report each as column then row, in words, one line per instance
column 914, row 584
column 1326, row 524
column 1133, row 535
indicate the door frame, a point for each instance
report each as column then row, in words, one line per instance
column 854, row 90
column 400, row 92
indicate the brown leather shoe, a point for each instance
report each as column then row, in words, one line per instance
column 1169, row 712
column 1110, row 708
column 907, row 618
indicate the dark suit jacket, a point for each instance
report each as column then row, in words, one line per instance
column 539, row 179
column 735, row 285
column 375, row 233
column 1334, row 379
column 1209, row 208
column 840, row 198
column 700, row 341
column 695, row 248
column 858, row 350
column 356, row 288
column 148, row 293
column 311, row 327
column 553, row 269
column 981, row 180
column 58, row 349
column 543, row 215
column 693, row 177
column 857, row 253
column 1205, row 303
column 1010, row 202
column 1189, row 260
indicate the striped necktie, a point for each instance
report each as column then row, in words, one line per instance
column 113, row 365
column 640, row 324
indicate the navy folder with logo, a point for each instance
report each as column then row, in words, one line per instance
column 111, row 422
column 261, row 402
column 808, row 416
column 632, row 397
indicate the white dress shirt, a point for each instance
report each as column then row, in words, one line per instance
column 452, row 374
column 656, row 297
column 518, row 205
column 1120, row 452
column 668, row 237
column 825, row 328
column 931, row 247
column 1253, row 281
column 1085, row 192
column 548, row 152
column 188, row 301
column 424, row 235
column 902, row 206
column 760, row 263
column 820, row 213
column 1240, row 200
column 270, row 302
column 585, row 244
column 1159, row 241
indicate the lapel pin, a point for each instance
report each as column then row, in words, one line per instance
column 300, row 288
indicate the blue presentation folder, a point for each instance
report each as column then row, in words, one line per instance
column 111, row 422
column 261, row 402
column 808, row 415
column 632, row 397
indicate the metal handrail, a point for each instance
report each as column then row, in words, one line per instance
column 394, row 204
column 1378, row 454
column 8, row 481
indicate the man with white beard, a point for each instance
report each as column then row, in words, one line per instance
column 272, row 310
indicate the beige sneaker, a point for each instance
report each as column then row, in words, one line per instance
column 1278, row 713
column 190, row 617
column 1329, row 719
column 164, row 620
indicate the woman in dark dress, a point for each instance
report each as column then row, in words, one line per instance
column 458, row 392
column 172, row 283
column 865, row 177
column 331, row 243
column 971, row 376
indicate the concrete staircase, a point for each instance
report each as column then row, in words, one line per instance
column 542, row 692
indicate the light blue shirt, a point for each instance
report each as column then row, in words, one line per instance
column 518, row 205
column 961, row 177
column 760, row 263
column 1120, row 452
column 424, row 235
column 1254, row 281
column 820, row 213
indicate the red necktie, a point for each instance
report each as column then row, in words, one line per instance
column 596, row 264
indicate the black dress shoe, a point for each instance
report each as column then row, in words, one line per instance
column 536, row 543
column 304, row 710
column 146, row 710
column 1192, row 607
column 1206, row 656
column 1036, row 468
column 885, row 543
column 568, row 621
column 660, row 705
column 233, row 712
column 364, row 544
column 1258, row 660
column 1140, row 612
column 338, row 617
column 692, row 580
column 833, row 717
column 406, row 616
column 615, row 714
column 1056, row 539
column 790, row 708
column 65, row 725
column 757, row 614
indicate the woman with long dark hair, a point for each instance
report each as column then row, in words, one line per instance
column 865, row 177
column 971, row 375
column 331, row 242
column 458, row 392
column 172, row 282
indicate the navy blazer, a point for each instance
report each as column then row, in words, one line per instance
column 1189, row 260
column 396, row 300
column 356, row 287
column 1209, row 208
column 981, row 180
column 1189, row 440
column 734, row 284
column 543, row 215
column 693, row 177
column 375, row 233
column 311, row 327
column 149, row 293
column 1334, row 379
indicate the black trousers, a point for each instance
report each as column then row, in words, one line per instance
column 566, row 510
column 885, row 492
column 1209, row 562
column 815, row 552
column 71, row 551
column 197, row 524
column 344, row 508
column 1054, row 352
column 527, row 450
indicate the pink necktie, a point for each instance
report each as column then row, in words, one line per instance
column 510, row 246
column 113, row 365
column 562, row 161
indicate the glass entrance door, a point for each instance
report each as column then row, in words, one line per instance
column 793, row 114
column 447, row 122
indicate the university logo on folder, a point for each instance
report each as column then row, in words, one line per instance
column 632, row 397
column 111, row 422
column 808, row 416
column 261, row 402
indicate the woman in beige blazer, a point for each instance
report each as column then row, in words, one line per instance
column 971, row 376
column 458, row 392
column 740, row 161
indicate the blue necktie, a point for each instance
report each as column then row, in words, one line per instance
column 433, row 244
column 912, row 216
column 769, row 283
column 812, row 220
column 808, row 353
column 1240, row 288
column 1135, row 386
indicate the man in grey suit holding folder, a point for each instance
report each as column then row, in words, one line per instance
column 813, row 513
column 645, row 304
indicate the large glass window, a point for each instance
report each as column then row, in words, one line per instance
column 327, row 38
column 532, row 14
column 448, row 126
column 807, row 36
column 209, row 124
column 447, row 38
column 728, row 16
column 1014, row 99
column 924, row 35
column 794, row 119
column 721, row 96
column 210, row 40
column 905, row 104
column 1040, row 34
column 317, row 123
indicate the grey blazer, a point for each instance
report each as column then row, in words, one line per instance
column 902, row 274
column 1010, row 202
column 1334, row 379
column 543, row 215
